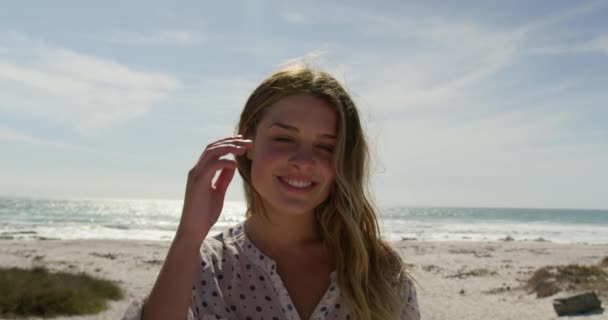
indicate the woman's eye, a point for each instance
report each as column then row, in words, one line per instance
column 282, row 139
column 329, row 149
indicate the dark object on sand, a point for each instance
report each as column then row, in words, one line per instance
column 581, row 303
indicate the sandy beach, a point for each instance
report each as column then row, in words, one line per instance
column 447, row 289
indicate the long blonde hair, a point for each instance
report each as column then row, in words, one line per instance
column 369, row 271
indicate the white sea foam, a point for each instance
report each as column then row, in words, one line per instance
column 158, row 220
column 483, row 231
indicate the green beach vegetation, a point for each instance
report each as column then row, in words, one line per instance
column 39, row 292
column 550, row 280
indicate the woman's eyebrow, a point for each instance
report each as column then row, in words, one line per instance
column 295, row 129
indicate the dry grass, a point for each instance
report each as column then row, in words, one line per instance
column 38, row 292
column 473, row 273
column 550, row 280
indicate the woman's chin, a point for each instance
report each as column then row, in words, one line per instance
column 293, row 208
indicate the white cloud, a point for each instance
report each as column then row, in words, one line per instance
column 522, row 159
column 446, row 133
column 295, row 18
column 428, row 62
column 417, row 62
column 179, row 37
column 561, row 16
column 19, row 137
column 445, row 136
column 90, row 182
column 83, row 91
column 455, row 62
column 58, row 146
column 599, row 44
column 548, row 23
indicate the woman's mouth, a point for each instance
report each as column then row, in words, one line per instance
column 296, row 184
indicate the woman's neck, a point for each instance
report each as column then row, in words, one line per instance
column 280, row 232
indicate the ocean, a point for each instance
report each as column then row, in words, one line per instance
column 22, row 218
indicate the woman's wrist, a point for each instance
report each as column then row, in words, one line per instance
column 189, row 234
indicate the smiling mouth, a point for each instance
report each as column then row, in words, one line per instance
column 297, row 183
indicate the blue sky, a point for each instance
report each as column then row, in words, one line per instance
column 476, row 103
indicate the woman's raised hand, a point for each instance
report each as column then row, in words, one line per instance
column 203, row 201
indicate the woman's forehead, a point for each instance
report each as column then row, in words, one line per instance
column 302, row 112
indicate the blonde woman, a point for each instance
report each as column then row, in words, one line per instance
column 310, row 246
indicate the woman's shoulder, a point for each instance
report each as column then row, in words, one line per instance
column 408, row 294
column 223, row 247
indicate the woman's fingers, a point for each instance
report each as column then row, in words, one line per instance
column 225, row 146
column 208, row 170
column 237, row 137
column 231, row 140
column 204, row 200
column 227, row 140
column 224, row 179
column 214, row 153
column 211, row 161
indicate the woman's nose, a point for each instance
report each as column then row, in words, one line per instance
column 302, row 157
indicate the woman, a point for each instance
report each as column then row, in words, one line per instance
column 310, row 246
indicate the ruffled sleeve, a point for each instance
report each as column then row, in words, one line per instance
column 408, row 294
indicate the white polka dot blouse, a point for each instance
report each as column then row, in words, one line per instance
column 237, row 281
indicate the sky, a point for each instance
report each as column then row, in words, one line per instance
column 466, row 103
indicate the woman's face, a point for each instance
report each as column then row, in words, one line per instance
column 292, row 156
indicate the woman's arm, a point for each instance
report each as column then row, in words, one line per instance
column 203, row 203
column 172, row 291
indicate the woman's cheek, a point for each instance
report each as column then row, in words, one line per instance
column 267, row 162
column 271, row 154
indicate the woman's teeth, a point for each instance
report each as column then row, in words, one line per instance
column 297, row 183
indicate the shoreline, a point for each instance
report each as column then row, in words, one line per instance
column 34, row 236
column 450, row 281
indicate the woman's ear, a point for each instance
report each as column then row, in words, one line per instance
column 250, row 153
